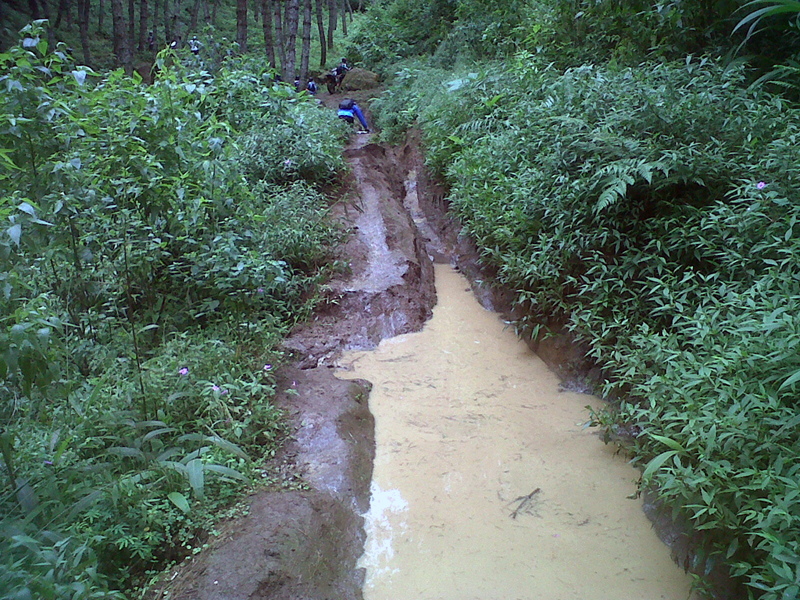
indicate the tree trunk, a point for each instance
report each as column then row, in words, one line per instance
column 214, row 13
column 121, row 37
column 177, row 30
column 83, row 27
column 101, row 12
column 206, row 12
column 51, row 36
column 292, row 18
column 167, row 28
column 144, row 13
column 131, row 24
column 279, row 39
column 64, row 10
column 344, row 20
column 349, row 8
column 257, row 10
column 195, row 13
column 241, row 25
column 33, row 8
column 323, row 46
column 269, row 44
column 154, row 29
column 306, row 51
column 331, row 22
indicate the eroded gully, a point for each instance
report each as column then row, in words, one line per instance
column 486, row 483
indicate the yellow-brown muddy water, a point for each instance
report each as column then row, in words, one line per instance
column 468, row 423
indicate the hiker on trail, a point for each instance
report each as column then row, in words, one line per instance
column 194, row 45
column 333, row 79
column 151, row 41
column 312, row 87
column 296, row 84
column 349, row 111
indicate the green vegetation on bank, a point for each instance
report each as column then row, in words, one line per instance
column 650, row 208
column 159, row 241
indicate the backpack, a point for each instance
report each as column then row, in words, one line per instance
column 346, row 104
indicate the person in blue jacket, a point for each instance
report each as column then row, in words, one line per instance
column 349, row 111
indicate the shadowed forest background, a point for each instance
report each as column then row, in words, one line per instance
column 628, row 169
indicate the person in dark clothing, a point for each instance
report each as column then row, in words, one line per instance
column 312, row 87
column 349, row 111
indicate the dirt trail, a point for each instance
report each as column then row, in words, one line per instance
column 304, row 544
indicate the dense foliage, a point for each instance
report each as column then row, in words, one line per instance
column 159, row 240
column 652, row 212
column 564, row 32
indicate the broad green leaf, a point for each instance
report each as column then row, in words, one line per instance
column 84, row 503
column 194, row 471
column 226, row 445
column 226, row 471
column 126, row 451
column 15, row 232
column 670, row 443
column 80, row 76
column 27, row 208
column 656, row 463
column 180, row 501
column 791, row 380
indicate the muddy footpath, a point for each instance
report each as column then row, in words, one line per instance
column 304, row 542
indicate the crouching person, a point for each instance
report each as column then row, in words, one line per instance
column 350, row 111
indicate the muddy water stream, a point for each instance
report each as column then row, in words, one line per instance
column 486, row 485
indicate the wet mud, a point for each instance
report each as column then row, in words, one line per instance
column 486, row 482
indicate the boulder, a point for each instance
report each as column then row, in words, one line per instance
column 359, row 79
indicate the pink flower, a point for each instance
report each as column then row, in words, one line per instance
column 223, row 392
column 215, row 388
column 267, row 367
column 287, row 163
column 761, row 185
column 260, row 290
column 183, row 371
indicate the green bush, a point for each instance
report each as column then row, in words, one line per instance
column 159, row 243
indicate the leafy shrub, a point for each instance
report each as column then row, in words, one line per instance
column 149, row 269
column 392, row 30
